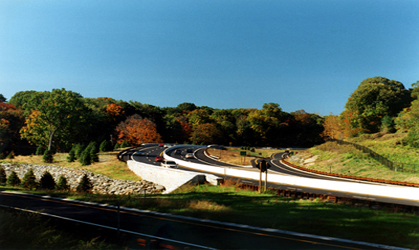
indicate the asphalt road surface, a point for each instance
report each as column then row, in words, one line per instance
column 148, row 154
column 148, row 230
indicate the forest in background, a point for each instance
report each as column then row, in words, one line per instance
column 61, row 118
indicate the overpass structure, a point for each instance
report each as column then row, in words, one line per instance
column 337, row 188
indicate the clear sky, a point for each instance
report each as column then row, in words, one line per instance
column 301, row 54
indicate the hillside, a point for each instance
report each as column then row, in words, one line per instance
column 346, row 159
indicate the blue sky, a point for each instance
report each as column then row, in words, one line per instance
column 301, row 54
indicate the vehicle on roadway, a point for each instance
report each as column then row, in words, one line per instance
column 189, row 156
column 215, row 146
column 168, row 164
column 159, row 158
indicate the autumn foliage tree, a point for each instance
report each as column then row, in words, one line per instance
column 55, row 117
column 114, row 111
column 205, row 134
column 11, row 120
column 137, row 130
column 332, row 127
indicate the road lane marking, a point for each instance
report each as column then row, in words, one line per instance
column 198, row 221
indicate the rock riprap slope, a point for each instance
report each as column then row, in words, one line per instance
column 101, row 184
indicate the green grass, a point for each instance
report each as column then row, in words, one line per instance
column 230, row 204
column 347, row 160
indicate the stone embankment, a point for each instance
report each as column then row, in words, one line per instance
column 101, row 183
column 303, row 160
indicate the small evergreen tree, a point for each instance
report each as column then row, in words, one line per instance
column 13, row 179
column 85, row 158
column 94, row 157
column 71, row 155
column 39, row 150
column 2, row 156
column 116, row 146
column 11, row 155
column 48, row 156
column 29, row 180
column 84, row 185
column 3, row 177
column 78, row 149
column 47, row 181
column 125, row 144
column 62, row 183
column 103, row 146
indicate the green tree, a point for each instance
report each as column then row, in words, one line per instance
column 85, row 158
column 54, row 117
column 93, row 150
column 104, row 146
column 13, row 179
column 40, row 150
column 3, row 177
column 78, row 149
column 85, row 185
column 375, row 98
column 62, row 183
column 47, row 181
column 2, row 98
column 20, row 98
column 71, row 155
column 205, row 134
column 11, row 155
column 48, row 156
column 124, row 144
column 29, row 180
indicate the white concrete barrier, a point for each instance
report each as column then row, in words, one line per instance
column 170, row 178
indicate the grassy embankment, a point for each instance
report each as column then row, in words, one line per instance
column 228, row 203
column 346, row 159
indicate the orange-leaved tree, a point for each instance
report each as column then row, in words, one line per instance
column 137, row 130
column 114, row 111
column 332, row 127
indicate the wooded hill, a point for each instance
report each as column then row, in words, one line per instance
column 60, row 118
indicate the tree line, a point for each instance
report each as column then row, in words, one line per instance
column 59, row 119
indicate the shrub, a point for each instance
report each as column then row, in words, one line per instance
column 47, row 181
column 125, row 144
column 85, row 158
column 2, row 176
column 104, row 146
column 39, row 150
column 29, row 180
column 71, row 155
column 94, row 157
column 13, row 179
column 84, row 185
column 117, row 146
column 48, row 156
column 78, row 150
column 11, row 155
column 62, row 183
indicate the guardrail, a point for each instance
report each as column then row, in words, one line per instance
column 352, row 177
column 395, row 166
